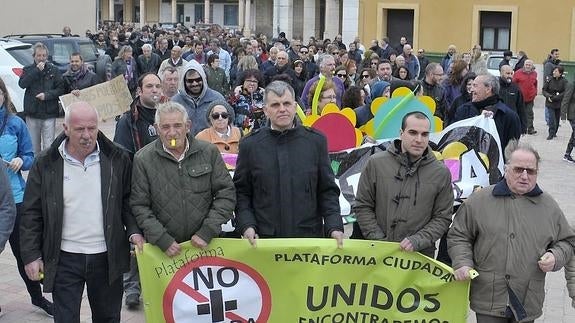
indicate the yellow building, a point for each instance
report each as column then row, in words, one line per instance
column 534, row 27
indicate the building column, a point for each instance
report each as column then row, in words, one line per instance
column 283, row 18
column 142, row 13
column 241, row 18
column 350, row 23
column 207, row 11
column 309, row 30
column 331, row 28
column 248, row 19
column 111, row 10
column 174, row 13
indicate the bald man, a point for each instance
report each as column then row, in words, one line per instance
column 76, row 219
column 511, row 95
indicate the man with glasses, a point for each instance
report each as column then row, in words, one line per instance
column 431, row 85
column 310, row 67
column 195, row 95
column 511, row 234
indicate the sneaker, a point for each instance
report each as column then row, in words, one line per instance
column 45, row 305
column 132, row 301
column 568, row 158
column 531, row 131
column 549, row 137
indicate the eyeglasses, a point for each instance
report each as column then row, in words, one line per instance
column 217, row 115
column 196, row 80
column 329, row 97
column 341, row 75
column 304, row 51
column 519, row 170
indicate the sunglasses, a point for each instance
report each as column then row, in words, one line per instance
column 519, row 170
column 364, row 76
column 196, row 80
column 303, row 51
column 217, row 115
column 342, row 75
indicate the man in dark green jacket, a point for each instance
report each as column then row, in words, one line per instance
column 181, row 189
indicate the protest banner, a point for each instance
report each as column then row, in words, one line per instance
column 110, row 98
column 299, row 280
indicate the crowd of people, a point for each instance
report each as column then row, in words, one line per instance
column 197, row 95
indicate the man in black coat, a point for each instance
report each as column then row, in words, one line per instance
column 284, row 183
column 76, row 219
column 44, row 84
column 510, row 94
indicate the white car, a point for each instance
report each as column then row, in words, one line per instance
column 493, row 61
column 14, row 55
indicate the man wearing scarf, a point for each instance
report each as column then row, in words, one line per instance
column 484, row 100
column 78, row 76
column 175, row 60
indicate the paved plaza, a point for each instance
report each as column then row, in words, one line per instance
column 556, row 177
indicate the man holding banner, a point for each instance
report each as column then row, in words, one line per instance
column 284, row 181
column 512, row 234
column 404, row 193
column 181, row 189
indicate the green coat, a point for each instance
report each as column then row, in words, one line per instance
column 502, row 236
column 396, row 200
column 174, row 200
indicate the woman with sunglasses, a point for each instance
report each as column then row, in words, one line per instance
column 247, row 100
column 364, row 80
column 341, row 72
column 221, row 131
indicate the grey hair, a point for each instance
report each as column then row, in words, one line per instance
column 170, row 107
column 74, row 106
column 170, row 69
column 321, row 59
column 278, row 88
column 515, row 145
column 490, row 81
column 40, row 46
column 147, row 46
column 123, row 49
column 430, row 69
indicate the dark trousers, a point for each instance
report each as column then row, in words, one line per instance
column 571, row 143
column 33, row 287
column 529, row 115
column 554, row 115
column 73, row 272
column 494, row 319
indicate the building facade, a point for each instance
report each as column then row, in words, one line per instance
column 534, row 27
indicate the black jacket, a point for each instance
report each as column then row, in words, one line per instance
column 511, row 95
column 553, row 90
column 43, row 208
column 437, row 93
column 135, row 129
column 48, row 81
column 285, row 185
column 506, row 120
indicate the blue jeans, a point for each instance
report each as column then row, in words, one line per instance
column 132, row 278
column 76, row 270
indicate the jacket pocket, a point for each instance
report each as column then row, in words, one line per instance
column 200, row 177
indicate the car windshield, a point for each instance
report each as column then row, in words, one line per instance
column 22, row 54
column 62, row 51
column 88, row 51
column 493, row 62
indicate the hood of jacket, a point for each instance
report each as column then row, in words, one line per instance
column 193, row 65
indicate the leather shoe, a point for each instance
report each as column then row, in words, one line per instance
column 132, row 301
column 45, row 305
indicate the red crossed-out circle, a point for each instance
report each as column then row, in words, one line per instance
column 177, row 284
